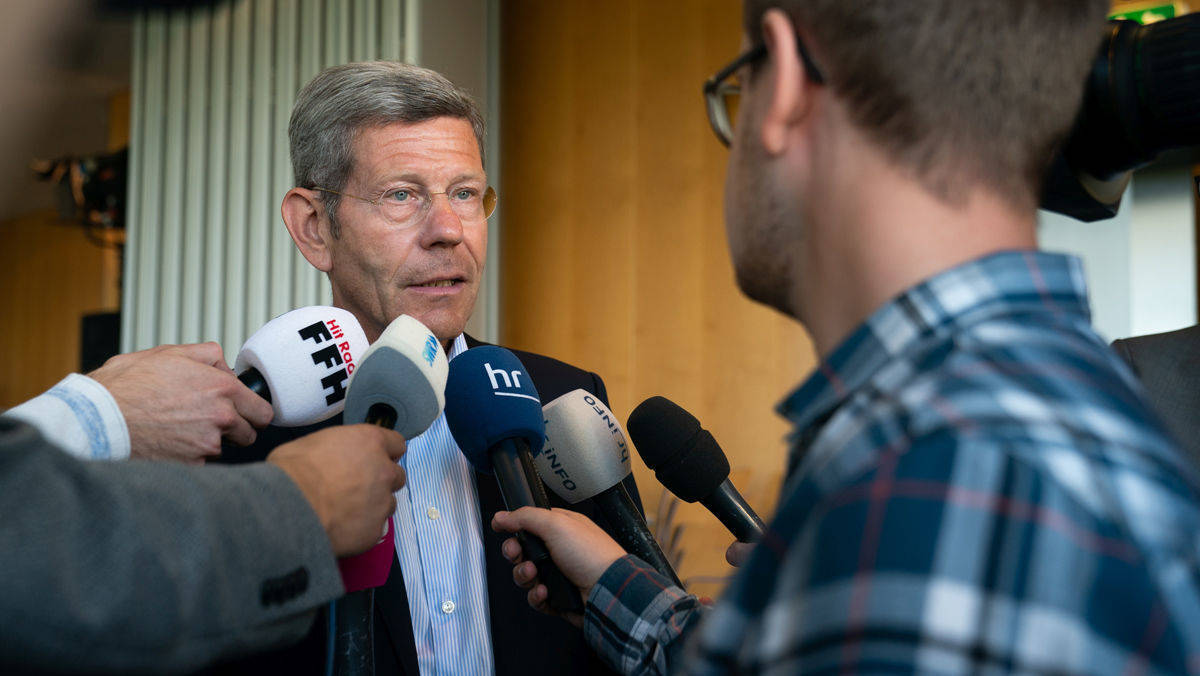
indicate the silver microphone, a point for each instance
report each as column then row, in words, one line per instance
column 586, row 456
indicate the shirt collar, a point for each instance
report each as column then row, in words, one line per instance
column 1003, row 283
column 457, row 347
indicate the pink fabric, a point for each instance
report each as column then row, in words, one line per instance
column 369, row 569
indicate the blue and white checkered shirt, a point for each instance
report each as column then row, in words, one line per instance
column 975, row 485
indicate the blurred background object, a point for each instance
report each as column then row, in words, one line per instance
column 65, row 74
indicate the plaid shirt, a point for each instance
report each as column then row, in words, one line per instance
column 975, row 484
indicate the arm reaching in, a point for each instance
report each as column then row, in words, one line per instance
column 349, row 475
column 163, row 568
column 580, row 548
column 180, row 401
column 635, row 618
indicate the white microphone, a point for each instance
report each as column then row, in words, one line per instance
column 586, row 456
column 301, row 361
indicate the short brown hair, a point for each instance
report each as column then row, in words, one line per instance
column 961, row 92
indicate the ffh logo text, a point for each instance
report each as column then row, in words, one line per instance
column 332, row 356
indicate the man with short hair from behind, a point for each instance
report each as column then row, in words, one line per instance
column 974, row 483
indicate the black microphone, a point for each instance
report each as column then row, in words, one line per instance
column 495, row 416
column 586, row 456
column 687, row 460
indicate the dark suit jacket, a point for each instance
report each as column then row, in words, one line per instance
column 524, row 641
column 1168, row 364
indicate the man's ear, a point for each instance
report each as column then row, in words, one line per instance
column 786, row 83
column 304, row 216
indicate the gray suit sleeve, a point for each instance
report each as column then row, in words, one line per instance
column 150, row 567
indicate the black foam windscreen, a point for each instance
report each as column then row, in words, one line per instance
column 686, row 459
column 100, row 335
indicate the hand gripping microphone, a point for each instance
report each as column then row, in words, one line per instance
column 400, row 384
column 687, row 460
column 300, row 362
column 586, row 456
column 493, row 411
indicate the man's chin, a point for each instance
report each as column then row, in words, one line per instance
column 758, row 288
column 446, row 325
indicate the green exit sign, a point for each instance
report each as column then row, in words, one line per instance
column 1147, row 14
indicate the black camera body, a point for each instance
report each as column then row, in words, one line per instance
column 1142, row 99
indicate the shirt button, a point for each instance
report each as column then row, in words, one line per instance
column 447, row 606
column 432, row 513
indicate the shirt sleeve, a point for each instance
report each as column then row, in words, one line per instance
column 636, row 620
column 80, row 416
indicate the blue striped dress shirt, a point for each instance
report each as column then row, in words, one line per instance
column 439, row 543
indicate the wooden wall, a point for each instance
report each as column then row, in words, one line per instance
column 613, row 244
column 51, row 275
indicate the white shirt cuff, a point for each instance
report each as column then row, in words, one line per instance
column 80, row 416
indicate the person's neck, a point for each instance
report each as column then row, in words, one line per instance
column 878, row 233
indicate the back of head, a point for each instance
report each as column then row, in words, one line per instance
column 338, row 102
column 959, row 92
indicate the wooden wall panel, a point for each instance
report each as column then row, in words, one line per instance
column 50, row 276
column 613, row 238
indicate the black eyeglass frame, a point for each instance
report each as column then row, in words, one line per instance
column 716, row 87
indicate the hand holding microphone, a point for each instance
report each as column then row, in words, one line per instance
column 180, row 401
column 348, row 475
column 301, row 363
column 493, row 411
column 580, row 549
column 586, row 457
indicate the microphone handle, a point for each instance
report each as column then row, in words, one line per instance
column 516, row 491
column 631, row 530
column 354, row 642
column 733, row 511
column 540, row 497
column 254, row 380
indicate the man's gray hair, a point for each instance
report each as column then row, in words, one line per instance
column 341, row 100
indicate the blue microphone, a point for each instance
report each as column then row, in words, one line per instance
column 495, row 416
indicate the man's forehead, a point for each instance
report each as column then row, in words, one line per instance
column 435, row 145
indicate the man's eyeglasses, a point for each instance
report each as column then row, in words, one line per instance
column 408, row 206
column 722, row 93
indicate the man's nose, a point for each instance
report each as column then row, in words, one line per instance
column 442, row 226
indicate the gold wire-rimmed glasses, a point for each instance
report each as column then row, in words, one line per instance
column 407, row 206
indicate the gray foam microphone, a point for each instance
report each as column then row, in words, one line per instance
column 400, row 381
column 585, row 457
